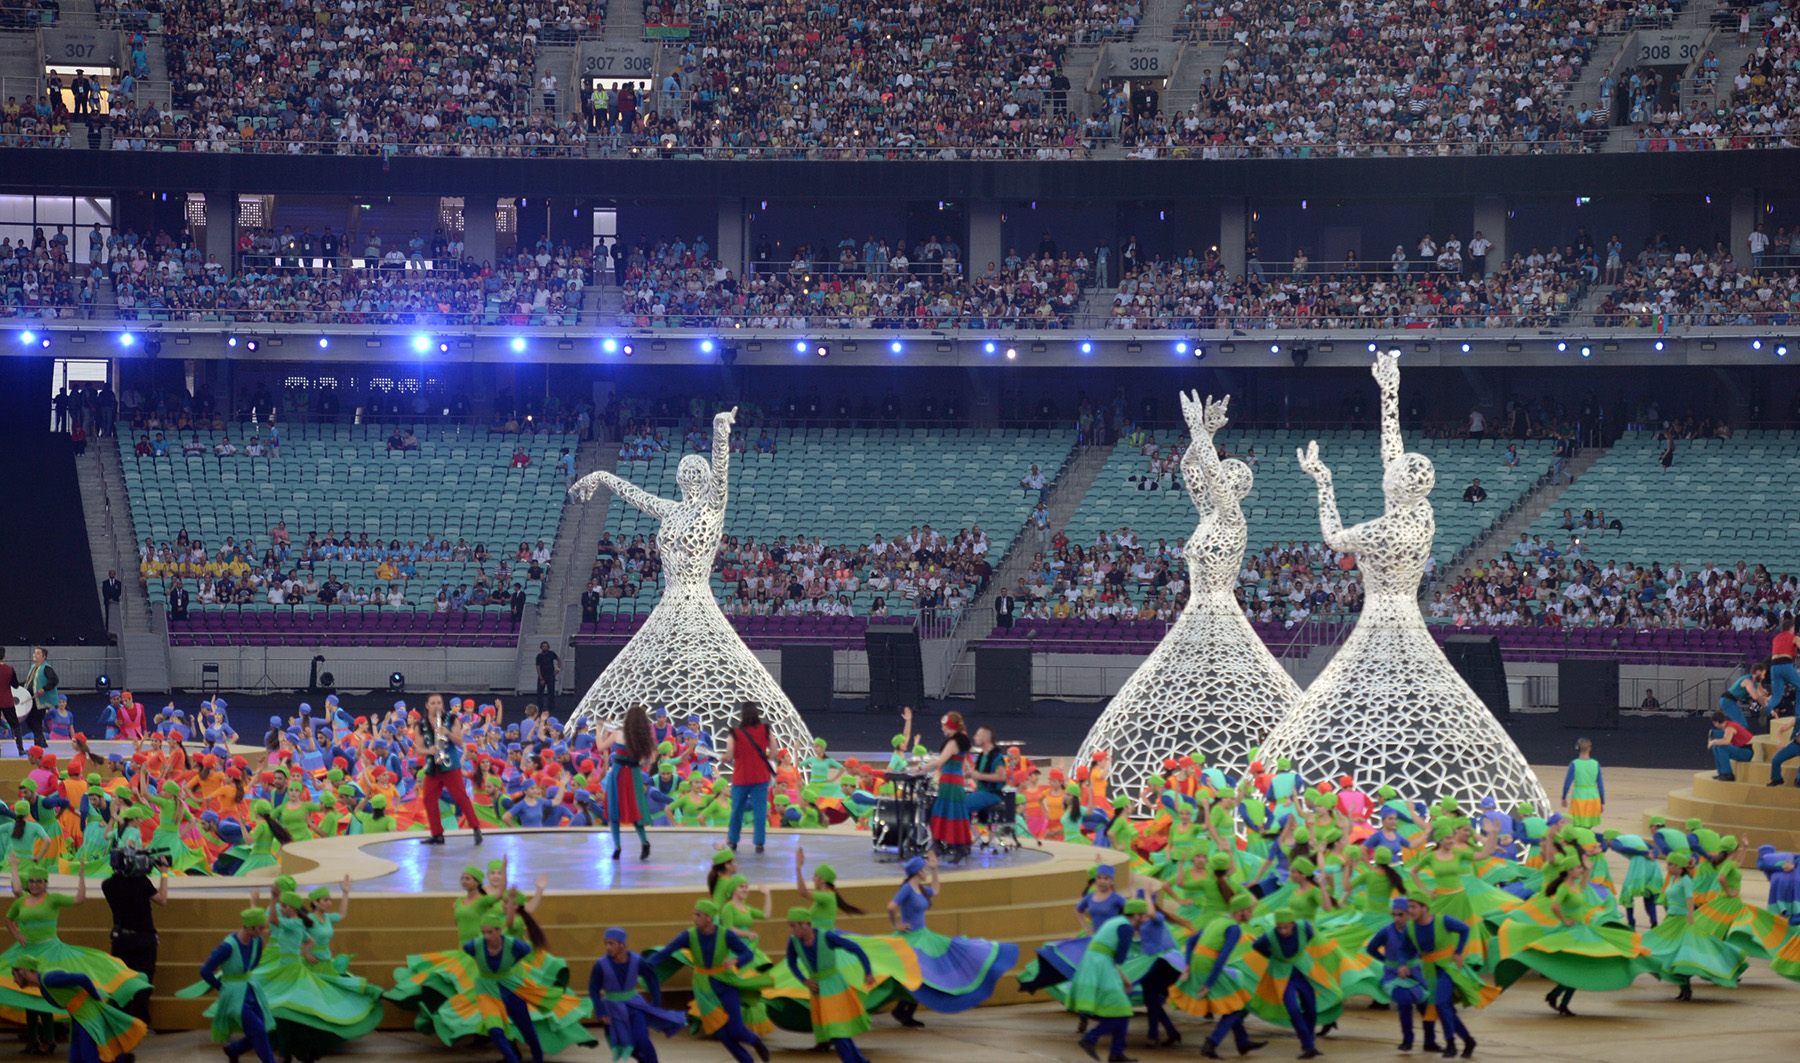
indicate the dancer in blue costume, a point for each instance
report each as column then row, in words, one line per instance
column 958, row 973
column 618, row 988
column 1400, row 975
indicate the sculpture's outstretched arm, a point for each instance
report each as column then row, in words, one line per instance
column 1387, row 375
column 1331, row 524
column 1200, row 465
column 630, row 493
column 721, row 453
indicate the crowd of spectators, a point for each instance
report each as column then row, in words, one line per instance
column 981, row 79
column 867, row 285
column 1666, row 285
column 310, row 76
column 1758, row 108
column 1382, row 77
column 373, row 573
column 1536, row 584
column 1441, row 287
column 934, row 575
column 290, row 278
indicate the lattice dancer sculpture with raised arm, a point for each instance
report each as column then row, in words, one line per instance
column 1389, row 708
column 687, row 657
column 1210, row 686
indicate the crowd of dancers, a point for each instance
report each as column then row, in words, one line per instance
column 1233, row 894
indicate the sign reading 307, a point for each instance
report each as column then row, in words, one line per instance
column 623, row 59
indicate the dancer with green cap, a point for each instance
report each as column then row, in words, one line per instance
column 506, row 1000
column 1101, row 989
column 723, row 974
column 894, row 962
column 1680, row 952
column 468, row 911
column 813, row 957
column 239, row 1008
column 1217, row 983
column 315, row 1009
column 33, row 919
column 1285, row 982
column 98, row 1032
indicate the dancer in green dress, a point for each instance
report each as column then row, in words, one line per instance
column 813, row 957
column 1682, row 953
column 228, row 971
column 315, row 1009
column 32, row 920
column 1100, row 989
column 98, row 1032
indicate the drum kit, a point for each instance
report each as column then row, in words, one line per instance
column 901, row 824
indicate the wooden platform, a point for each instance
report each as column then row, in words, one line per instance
column 1027, row 902
column 1746, row 806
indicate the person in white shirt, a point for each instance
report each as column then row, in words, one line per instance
column 1034, row 482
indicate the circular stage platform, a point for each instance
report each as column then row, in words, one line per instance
column 403, row 893
column 678, row 860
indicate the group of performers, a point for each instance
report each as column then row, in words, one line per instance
column 1294, row 896
column 1256, row 895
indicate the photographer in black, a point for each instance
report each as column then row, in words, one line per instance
column 129, row 894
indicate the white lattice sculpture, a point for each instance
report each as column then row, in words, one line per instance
column 1389, row 708
column 687, row 657
column 1210, row 686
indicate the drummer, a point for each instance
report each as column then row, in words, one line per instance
column 988, row 771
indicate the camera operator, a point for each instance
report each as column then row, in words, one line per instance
column 129, row 894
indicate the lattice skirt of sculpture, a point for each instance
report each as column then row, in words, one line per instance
column 687, row 658
column 1389, row 708
column 1210, row 686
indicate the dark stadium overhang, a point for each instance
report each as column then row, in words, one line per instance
column 1612, row 173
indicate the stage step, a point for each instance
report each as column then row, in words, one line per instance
column 1751, row 788
column 1759, row 825
column 1027, row 904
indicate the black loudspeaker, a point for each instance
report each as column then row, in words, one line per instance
column 807, row 673
column 1002, row 680
column 896, row 670
column 1477, row 659
column 591, row 659
column 1587, row 692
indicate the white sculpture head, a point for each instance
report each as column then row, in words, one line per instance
column 1405, row 483
column 1235, row 479
column 694, row 475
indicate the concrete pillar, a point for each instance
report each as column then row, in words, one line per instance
column 478, row 227
column 1491, row 221
column 1744, row 216
column 1234, row 229
column 221, row 228
column 987, row 242
column 733, row 245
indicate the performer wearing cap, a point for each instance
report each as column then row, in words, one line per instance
column 1100, row 988
column 1400, row 976
column 894, row 962
column 1217, row 984
column 33, row 918
column 956, row 974
column 315, row 1009
column 504, row 1001
column 1284, row 981
column 617, row 987
column 98, row 1032
column 720, row 962
column 468, row 912
column 1680, row 952
column 227, row 972
column 813, row 956
column 1442, row 976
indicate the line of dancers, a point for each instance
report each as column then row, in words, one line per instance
column 1269, row 896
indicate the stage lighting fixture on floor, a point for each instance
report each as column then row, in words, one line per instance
column 1087, row 347
column 518, row 345
column 822, row 350
column 628, row 349
column 252, row 344
column 609, row 345
column 397, row 683
column 1012, row 352
column 1298, row 356
column 126, row 339
column 728, row 354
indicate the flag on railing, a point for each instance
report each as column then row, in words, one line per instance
column 666, row 31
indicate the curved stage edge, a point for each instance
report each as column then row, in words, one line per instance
column 1027, row 899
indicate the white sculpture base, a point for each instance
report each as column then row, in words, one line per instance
column 687, row 658
column 1390, row 709
column 1209, row 687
